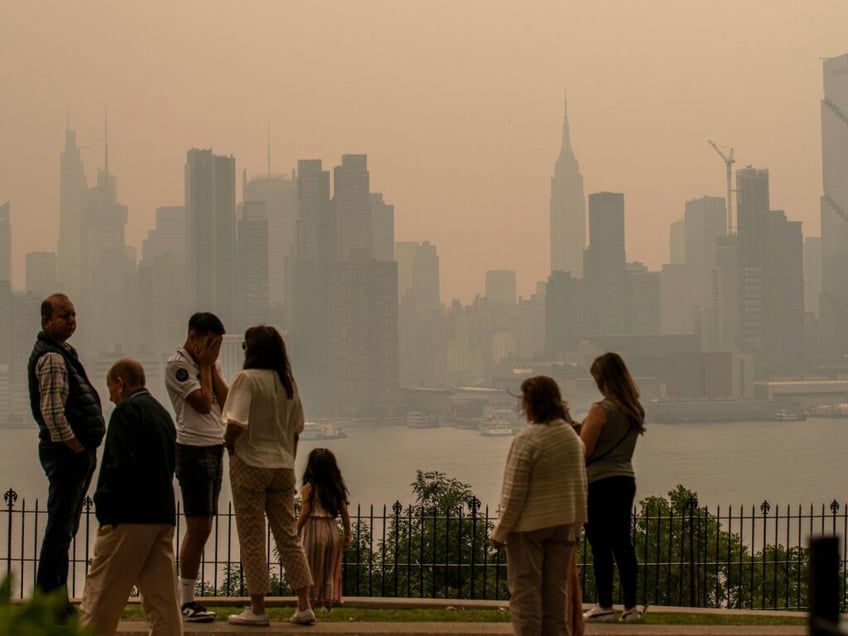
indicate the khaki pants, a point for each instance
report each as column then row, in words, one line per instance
column 132, row 554
column 537, row 571
column 257, row 493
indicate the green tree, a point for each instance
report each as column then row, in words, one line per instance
column 438, row 546
column 41, row 615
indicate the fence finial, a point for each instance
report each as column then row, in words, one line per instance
column 10, row 497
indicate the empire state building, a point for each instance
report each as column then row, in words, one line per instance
column 568, row 209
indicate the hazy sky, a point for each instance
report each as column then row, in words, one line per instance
column 458, row 105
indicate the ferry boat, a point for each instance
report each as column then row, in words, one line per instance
column 312, row 431
column 783, row 415
column 416, row 419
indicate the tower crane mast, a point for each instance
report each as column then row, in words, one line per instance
column 728, row 162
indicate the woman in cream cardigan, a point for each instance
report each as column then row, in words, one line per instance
column 543, row 506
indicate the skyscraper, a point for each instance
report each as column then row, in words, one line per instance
column 210, row 184
column 252, row 307
column 352, row 206
column 834, row 210
column 382, row 228
column 705, row 222
column 5, row 243
column 71, row 190
column 40, row 274
column 604, row 266
column 752, row 208
column 277, row 193
column 501, row 286
column 568, row 209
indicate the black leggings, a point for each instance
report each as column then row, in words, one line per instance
column 608, row 529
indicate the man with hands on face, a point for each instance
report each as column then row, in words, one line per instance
column 197, row 391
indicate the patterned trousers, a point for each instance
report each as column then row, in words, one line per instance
column 257, row 493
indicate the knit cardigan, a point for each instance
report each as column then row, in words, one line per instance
column 544, row 481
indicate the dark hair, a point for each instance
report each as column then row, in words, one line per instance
column 131, row 371
column 264, row 348
column 323, row 474
column 616, row 384
column 203, row 323
column 48, row 303
column 541, row 399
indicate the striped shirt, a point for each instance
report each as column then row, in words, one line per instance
column 53, row 388
column 544, row 483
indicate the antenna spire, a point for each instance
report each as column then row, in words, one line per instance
column 269, row 146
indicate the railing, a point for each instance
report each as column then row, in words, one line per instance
column 688, row 555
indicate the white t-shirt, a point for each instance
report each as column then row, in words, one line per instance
column 182, row 378
column 257, row 402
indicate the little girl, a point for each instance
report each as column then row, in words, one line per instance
column 323, row 499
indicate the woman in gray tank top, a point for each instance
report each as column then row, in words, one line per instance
column 609, row 434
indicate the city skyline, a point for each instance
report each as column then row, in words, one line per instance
column 460, row 136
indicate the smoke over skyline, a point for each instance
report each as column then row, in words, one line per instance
column 458, row 107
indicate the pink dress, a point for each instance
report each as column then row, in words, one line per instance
column 323, row 547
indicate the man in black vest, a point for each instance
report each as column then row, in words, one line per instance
column 71, row 427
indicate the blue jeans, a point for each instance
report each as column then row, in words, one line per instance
column 68, row 475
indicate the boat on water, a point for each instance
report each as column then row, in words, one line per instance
column 313, row 431
column 495, row 430
column 416, row 419
column 783, row 415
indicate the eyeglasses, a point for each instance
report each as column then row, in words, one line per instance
column 243, row 345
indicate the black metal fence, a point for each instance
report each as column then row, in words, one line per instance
column 689, row 555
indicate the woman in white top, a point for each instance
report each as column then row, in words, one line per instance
column 264, row 417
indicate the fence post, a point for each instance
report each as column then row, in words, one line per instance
column 10, row 497
column 824, row 586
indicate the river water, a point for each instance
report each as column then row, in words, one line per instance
column 740, row 463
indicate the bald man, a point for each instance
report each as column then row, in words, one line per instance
column 135, row 507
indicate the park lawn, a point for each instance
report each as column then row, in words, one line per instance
column 459, row 615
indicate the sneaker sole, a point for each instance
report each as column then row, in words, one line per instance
column 250, row 623
column 199, row 619
column 601, row 618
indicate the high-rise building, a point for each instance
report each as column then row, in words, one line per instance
column 501, row 286
column 72, row 188
column 5, row 242
column 352, row 206
column 568, row 209
column 643, row 299
column 752, row 208
column 210, row 184
column 834, row 211
column 705, row 222
column 812, row 273
column 40, row 273
column 565, row 314
column 604, row 266
column 382, row 228
column 163, row 306
column 253, row 307
column 420, row 330
column 677, row 242
column 277, row 193
column 107, row 293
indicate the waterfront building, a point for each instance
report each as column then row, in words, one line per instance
column 705, row 222
column 567, row 209
column 210, row 233
column 643, row 300
column 812, row 273
column 677, row 242
column 352, row 207
column 834, row 211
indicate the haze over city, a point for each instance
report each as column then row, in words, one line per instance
column 458, row 106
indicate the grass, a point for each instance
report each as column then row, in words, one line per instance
column 460, row 615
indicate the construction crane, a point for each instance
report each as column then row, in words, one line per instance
column 728, row 162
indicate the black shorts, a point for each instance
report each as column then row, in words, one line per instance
column 199, row 470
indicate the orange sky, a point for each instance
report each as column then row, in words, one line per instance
column 457, row 104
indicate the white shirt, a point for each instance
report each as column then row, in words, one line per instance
column 182, row 378
column 257, row 402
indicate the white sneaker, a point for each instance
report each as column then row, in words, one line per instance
column 599, row 614
column 247, row 617
column 636, row 613
column 303, row 617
